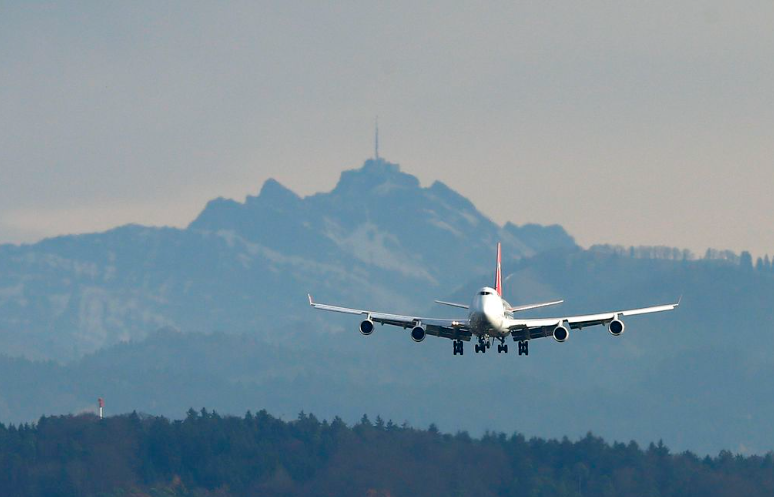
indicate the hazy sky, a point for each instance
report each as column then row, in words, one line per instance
column 626, row 122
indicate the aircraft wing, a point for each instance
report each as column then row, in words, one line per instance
column 529, row 307
column 456, row 329
column 452, row 304
column 529, row 329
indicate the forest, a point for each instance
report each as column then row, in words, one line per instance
column 207, row 454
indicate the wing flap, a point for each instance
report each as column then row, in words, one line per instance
column 450, row 333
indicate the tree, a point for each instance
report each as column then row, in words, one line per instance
column 220, row 455
column 745, row 261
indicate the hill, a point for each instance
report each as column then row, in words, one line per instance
column 694, row 377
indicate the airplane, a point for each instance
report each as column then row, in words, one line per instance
column 491, row 318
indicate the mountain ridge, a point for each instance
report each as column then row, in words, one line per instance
column 236, row 283
column 240, row 265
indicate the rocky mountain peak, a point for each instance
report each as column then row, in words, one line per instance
column 274, row 193
column 376, row 175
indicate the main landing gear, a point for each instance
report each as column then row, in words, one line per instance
column 458, row 347
column 485, row 343
column 482, row 345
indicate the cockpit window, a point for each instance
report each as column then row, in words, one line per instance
column 485, row 293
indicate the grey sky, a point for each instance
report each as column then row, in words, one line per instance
column 626, row 122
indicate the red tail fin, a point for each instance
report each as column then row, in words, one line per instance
column 498, row 276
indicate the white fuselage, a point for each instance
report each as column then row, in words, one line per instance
column 487, row 314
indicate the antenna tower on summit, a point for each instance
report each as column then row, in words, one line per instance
column 376, row 140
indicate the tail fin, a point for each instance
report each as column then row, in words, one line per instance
column 498, row 275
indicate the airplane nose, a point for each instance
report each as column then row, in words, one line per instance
column 493, row 314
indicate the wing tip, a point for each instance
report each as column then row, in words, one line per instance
column 311, row 302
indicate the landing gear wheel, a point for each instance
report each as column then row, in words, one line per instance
column 524, row 347
column 458, row 347
column 499, row 348
column 505, row 348
column 478, row 348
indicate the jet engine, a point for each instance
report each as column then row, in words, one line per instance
column 418, row 334
column 367, row 327
column 616, row 327
column 561, row 334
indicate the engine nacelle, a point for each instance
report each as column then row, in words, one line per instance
column 418, row 334
column 616, row 327
column 561, row 334
column 367, row 327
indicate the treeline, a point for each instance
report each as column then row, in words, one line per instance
column 206, row 454
column 662, row 252
column 658, row 252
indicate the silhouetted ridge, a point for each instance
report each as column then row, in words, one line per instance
column 274, row 193
column 541, row 238
column 442, row 191
column 224, row 213
column 374, row 177
column 214, row 212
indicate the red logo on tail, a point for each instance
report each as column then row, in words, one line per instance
column 498, row 276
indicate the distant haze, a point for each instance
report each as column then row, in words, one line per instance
column 632, row 123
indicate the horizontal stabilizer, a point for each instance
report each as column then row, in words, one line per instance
column 533, row 306
column 452, row 304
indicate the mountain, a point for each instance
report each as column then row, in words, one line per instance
column 379, row 236
column 696, row 378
